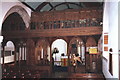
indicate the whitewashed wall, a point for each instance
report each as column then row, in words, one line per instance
column 5, row 6
column 110, row 26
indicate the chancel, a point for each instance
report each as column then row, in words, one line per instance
column 49, row 39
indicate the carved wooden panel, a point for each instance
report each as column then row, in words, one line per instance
column 88, row 14
column 93, row 63
column 58, row 16
column 82, row 15
column 30, row 52
column 54, row 32
column 41, row 57
column 75, row 41
column 66, row 15
column 91, row 42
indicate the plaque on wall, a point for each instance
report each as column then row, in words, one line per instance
column 93, row 51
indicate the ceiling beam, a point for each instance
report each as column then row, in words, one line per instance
column 41, row 6
column 68, row 6
column 64, row 3
column 51, row 5
column 28, row 6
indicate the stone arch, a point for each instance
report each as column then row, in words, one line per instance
column 22, row 12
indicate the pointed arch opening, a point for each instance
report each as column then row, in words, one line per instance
column 61, row 46
column 13, row 22
column 42, row 52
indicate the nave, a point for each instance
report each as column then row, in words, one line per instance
column 30, row 34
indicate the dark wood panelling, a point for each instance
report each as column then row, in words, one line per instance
column 92, row 61
column 67, row 14
column 32, row 35
column 30, row 52
column 54, row 32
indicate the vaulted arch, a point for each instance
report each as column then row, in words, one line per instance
column 13, row 22
column 22, row 12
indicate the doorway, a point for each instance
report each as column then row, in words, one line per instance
column 59, row 54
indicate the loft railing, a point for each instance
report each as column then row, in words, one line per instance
column 67, row 24
column 61, row 23
column 67, row 19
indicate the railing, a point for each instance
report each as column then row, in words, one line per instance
column 61, row 23
column 84, row 17
column 67, row 24
column 81, row 31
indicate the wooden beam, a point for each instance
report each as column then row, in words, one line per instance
column 41, row 6
column 28, row 6
column 64, row 3
column 82, row 31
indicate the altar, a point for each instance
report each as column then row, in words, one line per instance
column 64, row 61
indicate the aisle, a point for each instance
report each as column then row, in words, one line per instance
column 78, row 76
column 62, row 73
